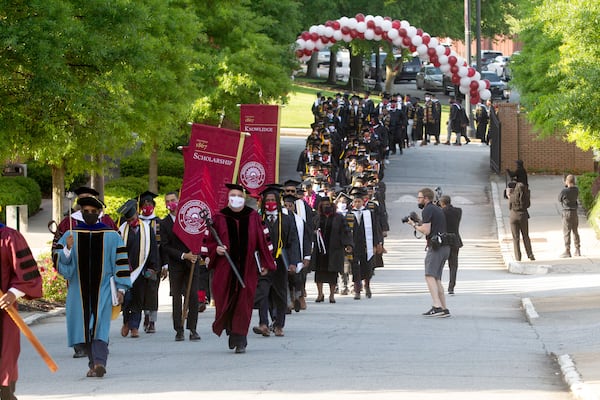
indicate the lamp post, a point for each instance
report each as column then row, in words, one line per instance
column 470, row 129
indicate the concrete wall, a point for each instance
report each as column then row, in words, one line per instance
column 548, row 155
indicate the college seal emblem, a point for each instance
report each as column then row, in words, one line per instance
column 189, row 217
column 252, row 175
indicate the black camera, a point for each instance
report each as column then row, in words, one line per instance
column 412, row 216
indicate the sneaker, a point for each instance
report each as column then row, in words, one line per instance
column 446, row 313
column 566, row 254
column 434, row 312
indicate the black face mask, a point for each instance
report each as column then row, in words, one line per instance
column 421, row 206
column 90, row 219
column 327, row 210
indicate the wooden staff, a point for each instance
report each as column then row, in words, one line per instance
column 186, row 298
column 24, row 328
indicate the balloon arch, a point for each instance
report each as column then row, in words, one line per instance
column 400, row 34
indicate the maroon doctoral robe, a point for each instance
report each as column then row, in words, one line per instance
column 245, row 236
column 18, row 269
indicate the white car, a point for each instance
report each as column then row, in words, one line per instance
column 499, row 66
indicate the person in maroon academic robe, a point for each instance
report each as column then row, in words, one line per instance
column 19, row 276
column 244, row 237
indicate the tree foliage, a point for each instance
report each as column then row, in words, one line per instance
column 558, row 71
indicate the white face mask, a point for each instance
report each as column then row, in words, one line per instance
column 341, row 206
column 236, row 201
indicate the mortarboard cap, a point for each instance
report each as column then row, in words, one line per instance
column 86, row 190
column 272, row 188
column 128, row 209
column 343, row 194
column 235, row 186
column 90, row 201
column 290, row 198
column 147, row 196
column 358, row 192
column 291, row 182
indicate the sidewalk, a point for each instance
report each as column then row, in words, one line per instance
column 567, row 322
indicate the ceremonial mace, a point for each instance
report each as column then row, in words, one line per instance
column 24, row 328
column 204, row 214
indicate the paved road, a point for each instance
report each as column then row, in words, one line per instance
column 380, row 348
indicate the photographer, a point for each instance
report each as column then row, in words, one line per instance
column 433, row 226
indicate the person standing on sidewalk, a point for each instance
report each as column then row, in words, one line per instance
column 19, row 277
column 433, row 225
column 518, row 203
column 568, row 201
column 453, row 216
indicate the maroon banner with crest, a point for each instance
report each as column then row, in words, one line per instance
column 210, row 160
column 259, row 165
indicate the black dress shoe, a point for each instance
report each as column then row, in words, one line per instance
column 80, row 353
column 231, row 344
column 239, row 349
column 179, row 337
column 194, row 335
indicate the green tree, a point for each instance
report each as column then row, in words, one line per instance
column 558, row 71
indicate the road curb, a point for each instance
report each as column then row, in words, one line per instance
column 530, row 312
column 579, row 389
column 35, row 318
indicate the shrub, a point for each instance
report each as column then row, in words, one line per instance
column 585, row 183
column 169, row 164
column 19, row 190
column 53, row 284
column 42, row 174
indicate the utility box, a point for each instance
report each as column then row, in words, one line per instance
column 16, row 217
column 15, row 170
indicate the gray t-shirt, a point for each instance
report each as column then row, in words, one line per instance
column 568, row 198
column 434, row 215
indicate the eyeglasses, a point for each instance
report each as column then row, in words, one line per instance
column 420, row 197
column 290, row 190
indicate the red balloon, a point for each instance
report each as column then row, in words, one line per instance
column 325, row 40
column 419, row 31
column 305, row 35
column 412, row 48
column 447, row 51
column 395, row 24
column 435, row 60
column 426, row 39
column 307, row 52
column 360, row 17
column 371, row 24
column 474, row 85
column 346, row 30
column 328, row 23
column 456, row 79
column 431, row 52
column 471, row 72
column 332, row 40
column 475, row 99
column 336, row 25
column 387, row 18
column 378, row 30
column 487, row 83
column 454, row 69
column 360, row 35
column 452, row 60
column 474, row 92
column 314, row 36
column 402, row 32
column 406, row 41
column 384, row 36
column 354, row 33
column 299, row 53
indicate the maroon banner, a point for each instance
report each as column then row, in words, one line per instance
column 210, row 160
column 259, row 164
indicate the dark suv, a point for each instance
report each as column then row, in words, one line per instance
column 410, row 67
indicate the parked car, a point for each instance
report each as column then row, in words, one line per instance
column 488, row 56
column 409, row 70
column 448, row 85
column 323, row 58
column 429, row 78
column 497, row 86
column 499, row 66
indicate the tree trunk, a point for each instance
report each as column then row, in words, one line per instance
column 153, row 169
column 357, row 76
column 58, row 193
column 390, row 75
column 332, row 78
column 311, row 67
column 97, row 178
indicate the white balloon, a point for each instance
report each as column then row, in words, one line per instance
column 398, row 42
column 440, row 50
column 485, row 94
column 351, row 23
column 319, row 45
column 369, row 34
column 466, row 82
column 460, row 61
column 464, row 90
column 417, row 40
column 310, row 45
column 313, row 29
column 337, row 35
column 321, row 30
column 411, row 31
column 377, row 38
column 361, row 27
column 404, row 24
column 433, row 42
column 422, row 50
column 347, row 38
column 378, row 20
column 463, row 71
column 445, row 68
column 476, row 77
column 343, row 21
column 393, row 33
column 368, row 18
column 482, row 85
column 386, row 25
column 300, row 43
column 304, row 58
column 443, row 59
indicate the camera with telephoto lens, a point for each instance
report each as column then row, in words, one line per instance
column 412, row 216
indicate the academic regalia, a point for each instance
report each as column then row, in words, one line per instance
column 89, row 301
column 333, row 235
column 18, row 270
column 246, row 238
